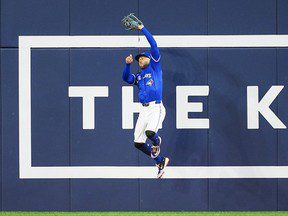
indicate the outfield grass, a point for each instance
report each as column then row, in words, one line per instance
column 144, row 213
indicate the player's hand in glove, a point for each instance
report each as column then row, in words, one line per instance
column 129, row 59
column 131, row 22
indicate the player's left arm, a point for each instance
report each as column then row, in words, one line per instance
column 155, row 53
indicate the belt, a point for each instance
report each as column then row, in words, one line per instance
column 148, row 103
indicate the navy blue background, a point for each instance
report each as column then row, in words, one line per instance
column 59, row 140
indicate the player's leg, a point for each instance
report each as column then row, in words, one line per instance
column 161, row 166
column 156, row 118
column 140, row 137
column 153, row 136
column 156, row 141
column 144, row 147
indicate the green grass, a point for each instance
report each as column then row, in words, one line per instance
column 144, row 213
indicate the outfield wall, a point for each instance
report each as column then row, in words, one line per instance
column 59, row 140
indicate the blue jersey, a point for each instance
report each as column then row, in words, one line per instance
column 149, row 79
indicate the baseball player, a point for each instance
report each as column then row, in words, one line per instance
column 149, row 83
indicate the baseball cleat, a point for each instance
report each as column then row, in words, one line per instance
column 156, row 149
column 161, row 166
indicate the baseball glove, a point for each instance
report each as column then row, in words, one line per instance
column 131, row 22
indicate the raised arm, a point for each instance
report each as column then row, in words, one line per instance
column 127, row 76
column 153, row 45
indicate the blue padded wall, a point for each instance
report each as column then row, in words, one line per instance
column 230, row 71
column 176, row 17
column 103, row 145
column 242, row 17
column 59, row 140
column 33, row 17
column 50, row 107
column 282, row 55
column 96, row 17
column 19, row 194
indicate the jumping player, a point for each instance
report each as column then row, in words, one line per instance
column 152, row 113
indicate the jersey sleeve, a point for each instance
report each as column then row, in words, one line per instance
column 155, row 53
column 127, row 76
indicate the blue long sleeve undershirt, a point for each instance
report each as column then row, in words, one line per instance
column 153, row 45
column 127, row 76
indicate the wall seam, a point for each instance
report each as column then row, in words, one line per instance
column 208, row 131
column 1, row 23
column 277, row 131
column 138, row 152
column 1, row 105
column 69, row 137
column 277, row 105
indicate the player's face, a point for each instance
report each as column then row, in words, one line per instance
column 143, row 62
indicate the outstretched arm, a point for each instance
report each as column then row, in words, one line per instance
column 153, row 45
column 127, row 76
